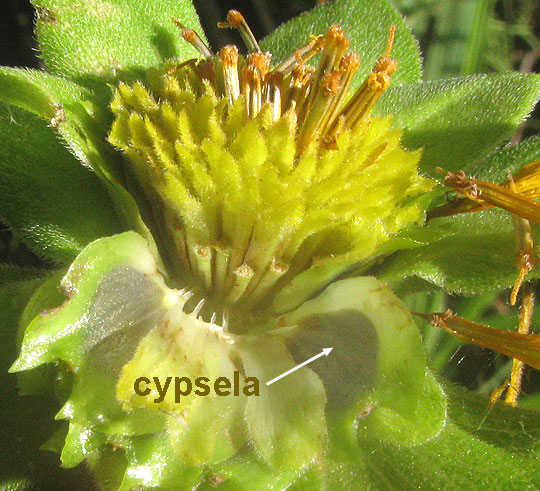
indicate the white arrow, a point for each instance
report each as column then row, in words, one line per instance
column 324, row 352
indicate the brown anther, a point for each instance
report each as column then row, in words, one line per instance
column 350, row 62
column 244, row 270
column 193, row 38
column 205, row 70
column 377, row 82
column 252, row 90
column 385, row 65
column 272, row 93
column 297, row 87
column 274, row 78
column 202, row 252
column 278, row 267
column 330, row 83
column 334, row 44
column 336, row 36
column 229, row 55
column 459, row 178
column 229, row 60
column 461, row 183
column 301, row 75
column 189, row 35
column 439, row 320
column 235, row 18
column 329, row 142
column 251, row 76
column 261, row 61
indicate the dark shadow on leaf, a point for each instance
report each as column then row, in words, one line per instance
column 456, row 148
column 164, row 43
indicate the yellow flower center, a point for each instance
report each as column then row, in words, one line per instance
column 252, row 176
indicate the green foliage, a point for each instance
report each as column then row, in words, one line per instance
column 78, row 116
column 11, row 273
column 472, row 36
column 99, row 39
column 469, row 253
column 457, row 121
column 44, row 191
column 28, row 420
column 507, row 160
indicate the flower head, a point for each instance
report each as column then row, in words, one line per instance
column 259, row 173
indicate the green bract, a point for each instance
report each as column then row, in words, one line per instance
column 227, row 218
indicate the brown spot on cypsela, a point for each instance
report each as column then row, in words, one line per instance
column 216, row 479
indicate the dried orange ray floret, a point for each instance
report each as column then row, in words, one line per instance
column 514, row 195
column 523, row 347
column 526, row 181
column 488, row 193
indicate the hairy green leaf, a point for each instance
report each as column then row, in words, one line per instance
column 479, row 448
column 10, row 273
column 79, row 117
column 53, row 203
column 465, row 254
column 455, row 459
column 26, row 421
column 39, row 92
column 457, row 121
column 87, row 39
column 507, row 159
